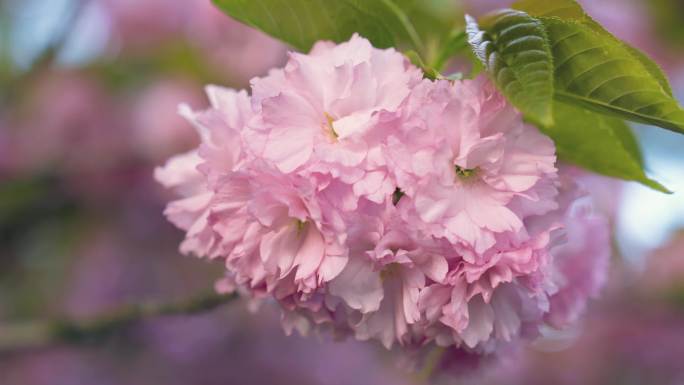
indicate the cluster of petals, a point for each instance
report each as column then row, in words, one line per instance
column 373, row 202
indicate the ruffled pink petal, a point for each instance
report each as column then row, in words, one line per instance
column 359, row 286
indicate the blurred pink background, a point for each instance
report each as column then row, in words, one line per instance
column 88, row 99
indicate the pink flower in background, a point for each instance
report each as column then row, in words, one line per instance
column 65, row 111
column 386, row 207
column 139, row 25
column 582, row 264
column 606, row 192
column 157, row 133
column 6, row 161
column 139, row 28
column 220, row 37
column 664, row 271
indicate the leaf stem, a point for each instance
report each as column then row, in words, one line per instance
column 434, row 357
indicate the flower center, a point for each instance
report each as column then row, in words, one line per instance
column 329, row 129
column 396, row 196
column 301, row 225
column 389, row 271
column 465, row 174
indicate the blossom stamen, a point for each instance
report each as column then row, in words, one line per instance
column 389, row 271
column 301, row 225
column 396, row 196
column 465, row 174
column 329, row 129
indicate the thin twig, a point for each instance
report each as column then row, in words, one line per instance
column 34, row 334
column 432, row 361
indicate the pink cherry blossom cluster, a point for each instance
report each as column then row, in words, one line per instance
column 366, row 199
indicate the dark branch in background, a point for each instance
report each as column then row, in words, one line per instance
column 36, row 334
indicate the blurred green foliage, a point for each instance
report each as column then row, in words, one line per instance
column 668, row 20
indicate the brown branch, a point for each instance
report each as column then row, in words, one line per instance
column 35, row 334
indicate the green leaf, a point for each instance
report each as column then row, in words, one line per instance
column 571, row 10
column 601, row 74
column 629, row 140
column 598, row 143
column 667, row 21
column 653, row 68
column 301, row 23
column 563, row 9
column 434, row 21
column 514, row 48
